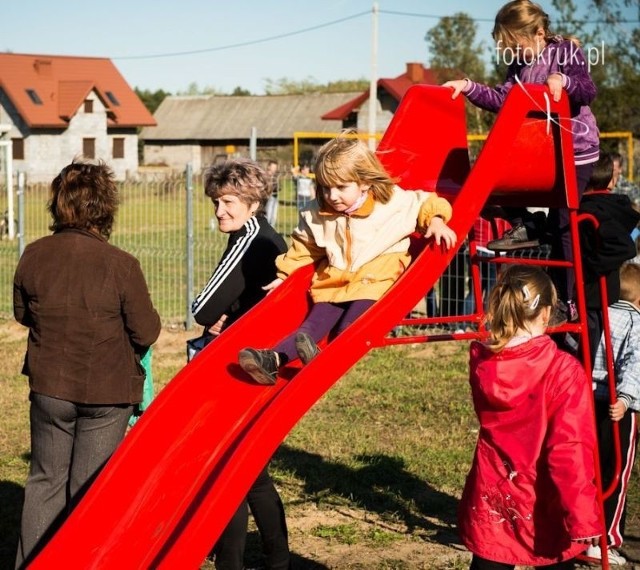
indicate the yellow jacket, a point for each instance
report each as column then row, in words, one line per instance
column 359, row 255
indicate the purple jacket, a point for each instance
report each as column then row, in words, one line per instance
column 559, row 56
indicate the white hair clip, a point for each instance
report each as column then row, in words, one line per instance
column 527, row 297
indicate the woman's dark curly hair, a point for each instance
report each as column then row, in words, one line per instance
column 84, row 196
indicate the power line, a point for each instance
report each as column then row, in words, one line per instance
column 491, row 20
column 248, row 42
column 326, row 25
column 430, row 16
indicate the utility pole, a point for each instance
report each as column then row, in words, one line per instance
column 253, row 143
column 373, row 84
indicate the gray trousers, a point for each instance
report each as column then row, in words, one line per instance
column 69, row 445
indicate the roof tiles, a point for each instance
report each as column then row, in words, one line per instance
column 47, row 90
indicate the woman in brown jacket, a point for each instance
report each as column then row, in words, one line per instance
column 90, row 315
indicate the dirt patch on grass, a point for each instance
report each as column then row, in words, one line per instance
column 348, row 538
column 317, row 540
column 12, row 331
column 437, row 349
column 173, row 338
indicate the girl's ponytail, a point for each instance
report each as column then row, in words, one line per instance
column 518, row 298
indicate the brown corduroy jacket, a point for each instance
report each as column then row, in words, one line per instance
column 88, row 310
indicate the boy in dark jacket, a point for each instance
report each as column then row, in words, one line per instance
column 607, row 247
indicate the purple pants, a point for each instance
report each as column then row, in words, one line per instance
column 323, row 319
column 561, row 248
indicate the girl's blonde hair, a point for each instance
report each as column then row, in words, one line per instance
column 521, row 18
column 347, row 159
column 516, row 301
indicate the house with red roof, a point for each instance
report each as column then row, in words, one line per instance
column 57, row 108
column 355, row 113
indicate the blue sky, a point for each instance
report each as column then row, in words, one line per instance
column 127, row 30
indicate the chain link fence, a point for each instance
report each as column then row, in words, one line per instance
column 169, row 225
column 177, row 252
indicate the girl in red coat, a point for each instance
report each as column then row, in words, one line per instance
column 530, row 497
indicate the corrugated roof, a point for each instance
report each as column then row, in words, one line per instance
column 47, row 89
column 232, row 117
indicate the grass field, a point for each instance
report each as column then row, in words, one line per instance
column 370, row 477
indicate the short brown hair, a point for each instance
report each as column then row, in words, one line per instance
column 240, row 177
column 85, row 196
column 602, row 174
column 630, row 282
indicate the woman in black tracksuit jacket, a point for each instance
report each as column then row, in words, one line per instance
column 239, row 191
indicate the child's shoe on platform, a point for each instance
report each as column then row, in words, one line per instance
column 515, row 238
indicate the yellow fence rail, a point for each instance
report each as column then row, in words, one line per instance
column 628, row 135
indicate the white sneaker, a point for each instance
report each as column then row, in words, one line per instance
column 615, row 559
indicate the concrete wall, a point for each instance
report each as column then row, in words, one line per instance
column 175, row 156
column 128, row 166
column 383, row 118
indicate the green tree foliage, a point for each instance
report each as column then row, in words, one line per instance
column 453, row 48
column 195, row 89
column 568, row 23
column 285, row 86
column 346, row 85
column 454, row 53
column 240, row 92
column 151, row 99
column 612, row 48
column 611, row 45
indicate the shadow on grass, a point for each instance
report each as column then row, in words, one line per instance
column 253, row 556
column 300, row 563
column 11, row 498
column 381, row 485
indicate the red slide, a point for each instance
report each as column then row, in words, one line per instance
column 171, row 487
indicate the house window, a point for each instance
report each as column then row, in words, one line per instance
column 89, row 148
column 35, row 98
column 88, row 106
column 18, row 149
column 118, row 147
column 112, row 98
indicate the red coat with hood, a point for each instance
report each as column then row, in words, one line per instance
column 531, row 487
